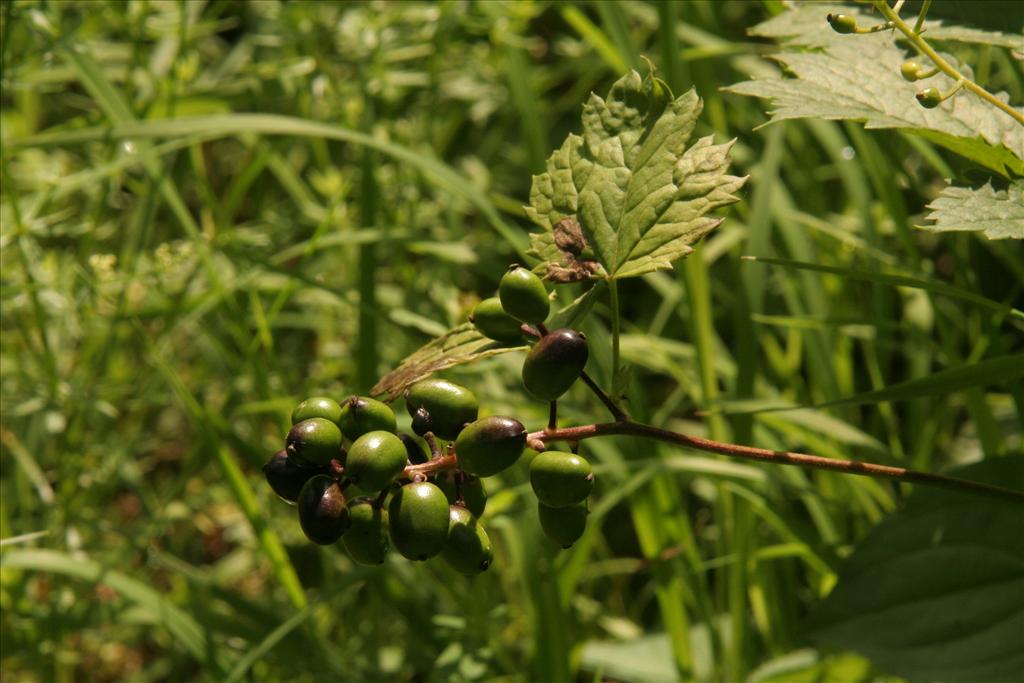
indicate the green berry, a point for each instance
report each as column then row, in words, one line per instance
column 929, row 98
column 360, row 415
column 323, row 514
column 468, row 549
column 418, row 519
column 374, row 460
column 494, row 323
column 315, row 441
column 441, row 407
column 523, row 295
column 287, row 476
column 561, row 479
column 554, row 363
column 842, row 23
column 564, row 526
column 490, row 445
column 910, row 70
column 414, row 452
column 367, row 538
column 473, row 493
column 317, row 406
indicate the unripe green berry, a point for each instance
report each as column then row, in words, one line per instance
column 374, row 460
column 494, row 323
column 323, row 514
column 554, row 363
column 317, row 406
column 561, row 479
column 360, row 415
column 468, row 548
column 564, row 526
column 929, row 98
column 414, row 452
column 287, row 476
column 315, row 441
column 523, row 296
column 367, row 537
column 490, row 445
column 910, row 70
column 440, row 407
column 474, row 495
column 842, row 23
column 418, row 520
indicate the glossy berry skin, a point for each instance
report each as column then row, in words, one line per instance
column 323, row 513
column 564, row 526
column 414, row 452
column 418, row 520
column 929, row 98
column 473, row 493
column 287, row 476
column 374, row 460
column 317, row 406
column 910, row 70
column 842, row 23
column 561, row 479
column 360, row 415
column 314, row 441
column 523, row 296
column 367, row 537
column 494, row 323
column 468, row 549
column 554, row 363
column 490, row 445
column 440, row 407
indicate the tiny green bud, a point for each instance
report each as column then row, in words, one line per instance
column 842, row 23
column 910, row 70
column 929, row 98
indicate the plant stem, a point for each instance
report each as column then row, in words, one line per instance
column 857, row 467
column 945, row 67
column 613, row 296
column 616, row 412
column 921, row 15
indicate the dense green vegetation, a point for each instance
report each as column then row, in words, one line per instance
column 213, row 210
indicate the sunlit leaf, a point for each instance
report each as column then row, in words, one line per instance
column 998, row 214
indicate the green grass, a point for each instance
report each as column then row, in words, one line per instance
column 212, row 210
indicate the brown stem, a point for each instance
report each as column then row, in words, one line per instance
column 553, row 416
column 616, row 412
column 444, row 462
column 865, row 469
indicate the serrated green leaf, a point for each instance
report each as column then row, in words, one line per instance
column 936, row 592
column 999, row 214
column 857, row 77
column 629, row 195
column 462, row 344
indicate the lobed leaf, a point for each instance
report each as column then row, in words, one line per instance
column 998, row 214
column 857, row 77
column 629, row 195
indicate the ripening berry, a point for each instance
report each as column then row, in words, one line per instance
column 523, row 296
column 287, row 476
column 323, row 514
column 367, row 537
column 414, row 452
column 564, row 526
column 554, row 363
column 315, row 441
column 374, row 460
column 440, row 407
column 490, row 445
column 418, row 520
column 360, row 415
column 561, row 479
column 494, row 323
column 317, row 406
column 468, row 548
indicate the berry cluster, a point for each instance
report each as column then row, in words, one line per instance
column 354, row 478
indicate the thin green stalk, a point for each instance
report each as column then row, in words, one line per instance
column 613, row 300
column 945, row 67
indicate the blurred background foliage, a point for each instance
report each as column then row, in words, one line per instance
column 171, row 289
